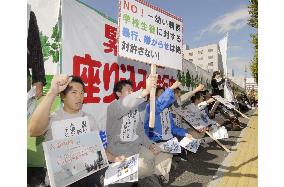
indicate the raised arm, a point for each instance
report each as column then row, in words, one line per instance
column 39, row 120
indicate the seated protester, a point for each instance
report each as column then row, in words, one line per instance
column 125, row 132
column 71, row 90
column 165, row 127
column 193, row 107
column 181, row 99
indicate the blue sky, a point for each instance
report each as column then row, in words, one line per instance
column 205, row 22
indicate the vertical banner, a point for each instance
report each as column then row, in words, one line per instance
column 223, row 45
column 150, row 34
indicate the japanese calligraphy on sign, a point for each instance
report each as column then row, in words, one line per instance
column 166, row 124
column 171, row 146
column 71, row 159
column 149, row 34
column 70, row 127
column 122, row 171
column 190, row 144
column 129, row 125
column 193, row 118
column 223, row 101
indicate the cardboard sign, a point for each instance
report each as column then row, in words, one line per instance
column 70, row 127
column 223, row 101
column 118, row 171
column 171, row 146
column 71, row 159
column 149, row 34
column 190, row 144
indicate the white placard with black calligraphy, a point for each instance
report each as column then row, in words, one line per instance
column 70, row 127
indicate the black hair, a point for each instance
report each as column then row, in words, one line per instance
column 215, row 73
column 159, row 88
column 119, row 85
column 68, row 88
column 196, row 96
column 177, row 90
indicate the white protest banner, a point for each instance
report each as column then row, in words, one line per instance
column 118, row 171
column 219, row 133
column 150, row 34
column 94, row 58
column 70, row 127
column 223, row 101
column 71, row 159
column 193, row 118
column 31, row 102
column 171, row 146
column 190, row 144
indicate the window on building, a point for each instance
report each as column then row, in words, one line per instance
column 210, row 57
column 200, row 58
column 210, row 50
column 200, row 52
column 190, row 54
column 190, row 60
column 210, row 64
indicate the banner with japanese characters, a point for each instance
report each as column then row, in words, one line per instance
column 89, row 50
column 71, row 159
column 70, row 127
column 119, row 172
column 224, row 101
column 149, row 34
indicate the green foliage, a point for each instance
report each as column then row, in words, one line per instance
column 183, row 79
column 253, row 22
column 188, row 79
column 45, row 45
column 253, row 11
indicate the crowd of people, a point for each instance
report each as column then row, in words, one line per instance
column 127, row 126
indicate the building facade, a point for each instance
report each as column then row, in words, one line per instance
column 207, row 57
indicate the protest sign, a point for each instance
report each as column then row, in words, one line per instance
column 131, row 178
column 118, row 171
column 223, row 101
column 94, row 58
column 171, row 146
column 71, row 159
column 190, row 144
column 219, row 133
column 193, row 118
column 149, row 34
column 70, row 127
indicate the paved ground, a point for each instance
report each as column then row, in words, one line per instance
column 202, row 167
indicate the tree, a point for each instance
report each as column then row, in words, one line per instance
column 183, row 79
column 253, row 22
column 187, row 76
column 179, row 76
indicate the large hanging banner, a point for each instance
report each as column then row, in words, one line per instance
column 71, row 159
column 47, row 13
column 149, row 34
column 89, row 50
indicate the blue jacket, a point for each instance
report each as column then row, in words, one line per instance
column 163, row 102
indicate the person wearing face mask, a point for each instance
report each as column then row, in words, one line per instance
column 217, row 83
